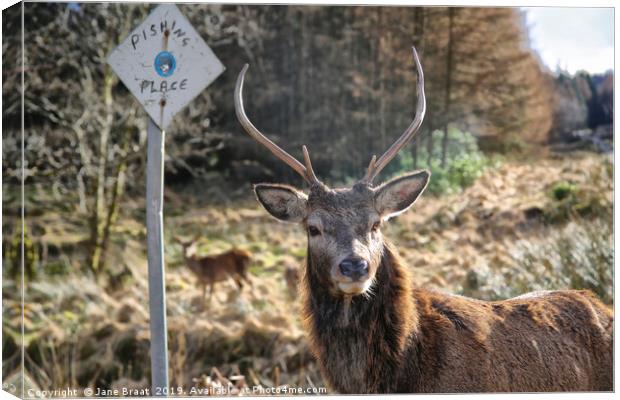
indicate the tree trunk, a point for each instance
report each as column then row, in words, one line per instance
column 382, row 60
column 97, row 218
column 429, row 146
column 449, row 66
column 113, row 205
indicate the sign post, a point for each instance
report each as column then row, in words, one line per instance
column 165, row 64
column 155, row 250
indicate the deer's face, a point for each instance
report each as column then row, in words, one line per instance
column 344, row 237
column 343, row 226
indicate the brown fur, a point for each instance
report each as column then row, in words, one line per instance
column 218, row 268
column 410, row 341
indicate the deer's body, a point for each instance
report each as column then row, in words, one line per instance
column 372, row 332
column 411, row 341
column 209, row 270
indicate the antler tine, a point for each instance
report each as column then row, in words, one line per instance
column 311, row 177
column 262, row 139
column 376, row 166
column 370, row 169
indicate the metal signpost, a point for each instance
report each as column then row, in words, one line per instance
column 165, row 64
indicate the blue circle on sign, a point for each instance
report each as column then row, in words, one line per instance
column 165, row 64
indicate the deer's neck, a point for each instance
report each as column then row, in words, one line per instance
column 360, row 341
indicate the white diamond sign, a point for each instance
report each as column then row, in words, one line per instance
column 165, row 63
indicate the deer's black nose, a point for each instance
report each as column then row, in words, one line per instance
column 354, row 268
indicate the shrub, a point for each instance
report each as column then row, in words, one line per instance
column 562, row 190
column 570, row 201
column 579, row 256
column 463, row 171
column 464, row 162
column 57, row 267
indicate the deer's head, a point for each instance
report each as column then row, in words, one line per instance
column 345, row 243
column 188, row 246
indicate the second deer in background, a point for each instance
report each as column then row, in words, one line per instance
column 217, row 268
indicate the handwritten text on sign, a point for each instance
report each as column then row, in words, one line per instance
column 154, row 30
column 165, row 63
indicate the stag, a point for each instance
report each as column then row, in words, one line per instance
column 209, row 270
column 371, row 331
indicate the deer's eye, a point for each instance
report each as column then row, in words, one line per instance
column 313, row 230
column 376, row 226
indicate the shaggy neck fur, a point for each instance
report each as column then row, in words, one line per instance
column 360, row 341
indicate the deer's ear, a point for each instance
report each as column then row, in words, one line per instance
column 396, row 196
column 283, row 202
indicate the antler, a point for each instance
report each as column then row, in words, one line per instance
column 305, row 171
column 375, row 165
